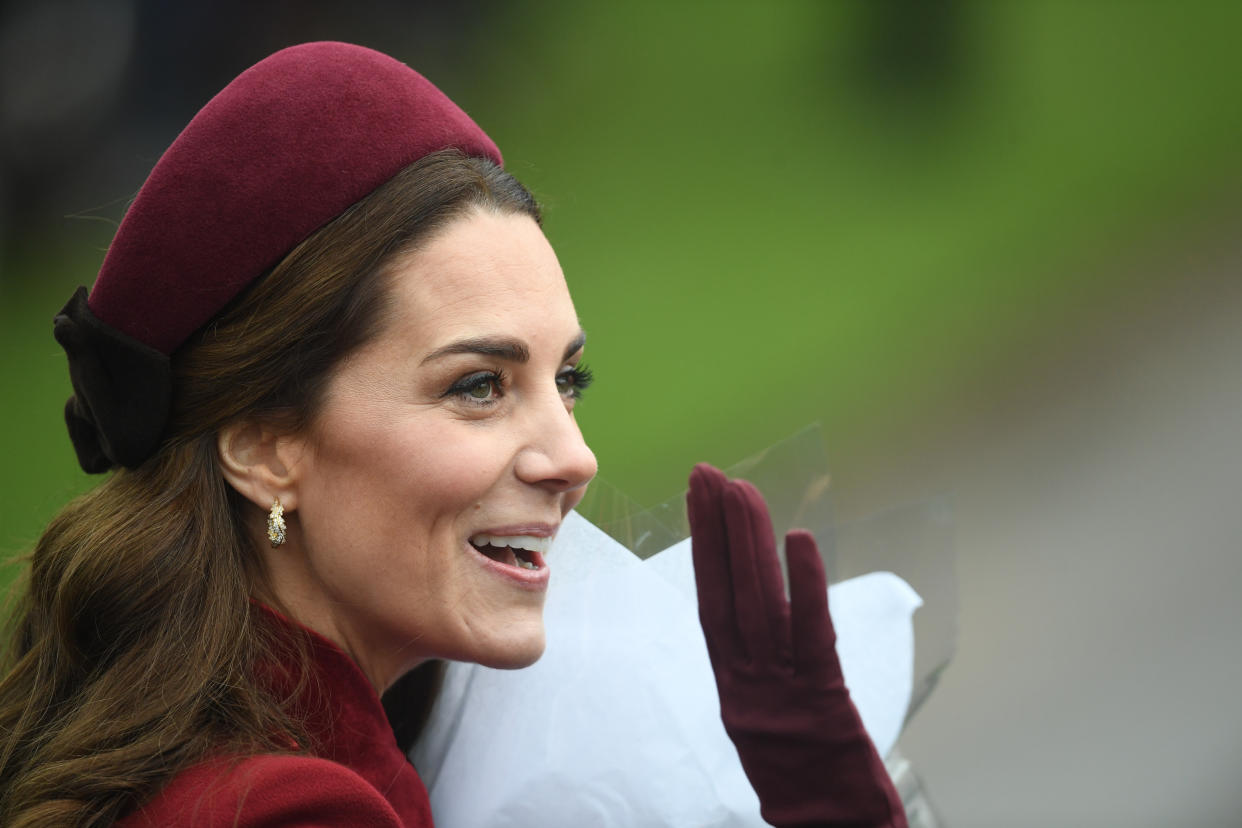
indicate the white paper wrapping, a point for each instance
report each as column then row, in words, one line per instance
column 619, row 723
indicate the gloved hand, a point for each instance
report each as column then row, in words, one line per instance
column 782, row 696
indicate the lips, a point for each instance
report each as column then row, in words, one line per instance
column 516, row 553
column 525, row 551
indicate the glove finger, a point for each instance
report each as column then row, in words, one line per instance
column 758, row 586
column 710, row 553
column 814, row 638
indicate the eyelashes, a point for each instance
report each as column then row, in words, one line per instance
column 490, row 383
column 484, row 388
column 574, row 381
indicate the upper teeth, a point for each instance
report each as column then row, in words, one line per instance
column 528, row 542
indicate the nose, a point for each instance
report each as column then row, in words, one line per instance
column 556, row 458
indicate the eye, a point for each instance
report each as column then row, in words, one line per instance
column 480, row 388
column 573, row 381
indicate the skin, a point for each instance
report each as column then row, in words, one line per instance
column 398, row 471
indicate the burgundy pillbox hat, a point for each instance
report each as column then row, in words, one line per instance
column 282, row 150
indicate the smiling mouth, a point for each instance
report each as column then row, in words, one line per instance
column 524, row 551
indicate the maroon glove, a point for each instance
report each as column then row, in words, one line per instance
column 782, row 697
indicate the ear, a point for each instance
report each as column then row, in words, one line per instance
column 260, row 463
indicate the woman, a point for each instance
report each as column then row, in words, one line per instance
column 334, row 363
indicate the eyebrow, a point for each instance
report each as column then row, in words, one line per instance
column 511, row 350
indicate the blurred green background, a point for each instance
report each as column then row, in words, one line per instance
column 769, row 214
column 909, row 222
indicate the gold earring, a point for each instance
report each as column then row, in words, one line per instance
column 276, row 524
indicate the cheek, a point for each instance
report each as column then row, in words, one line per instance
column 418, row 468
column 457, row 461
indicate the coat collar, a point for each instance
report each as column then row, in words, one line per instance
column 343, row 714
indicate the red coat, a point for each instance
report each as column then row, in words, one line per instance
column 358, row 776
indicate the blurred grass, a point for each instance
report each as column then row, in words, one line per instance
column 756, row 239
column 765, row 224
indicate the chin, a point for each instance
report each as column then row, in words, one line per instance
column 515, row 653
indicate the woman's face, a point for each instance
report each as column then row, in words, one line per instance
column 444, row 446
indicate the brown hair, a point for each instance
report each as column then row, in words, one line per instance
column 132, row 650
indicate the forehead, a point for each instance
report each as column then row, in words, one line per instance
column 484, row 269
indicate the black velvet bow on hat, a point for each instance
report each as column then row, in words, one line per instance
column 122, row 390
